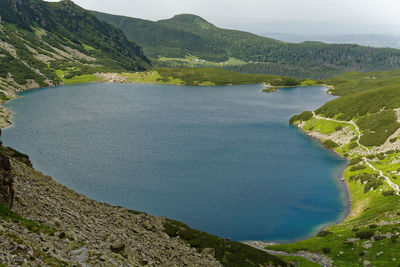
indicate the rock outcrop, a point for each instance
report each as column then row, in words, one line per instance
column 6, row 180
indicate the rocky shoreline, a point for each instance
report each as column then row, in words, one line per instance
column 319, row 139
column 313, row 257
column 76, row 230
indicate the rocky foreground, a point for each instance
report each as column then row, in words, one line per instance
column 73, row 229
column 43, row 223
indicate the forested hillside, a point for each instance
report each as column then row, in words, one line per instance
column 40, row 39
column 185, row 35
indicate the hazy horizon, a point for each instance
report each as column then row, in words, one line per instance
column 307, row 17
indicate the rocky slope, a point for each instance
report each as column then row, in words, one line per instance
column 73, row 229
column 51, row 225
column 41, row 42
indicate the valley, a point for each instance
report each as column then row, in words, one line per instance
column 56, row 44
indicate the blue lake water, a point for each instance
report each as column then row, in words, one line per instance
column 221, row 159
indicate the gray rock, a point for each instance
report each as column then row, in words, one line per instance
column 208, row 251
column 80, row 255
column 117, row 248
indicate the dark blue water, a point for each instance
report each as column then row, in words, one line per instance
column 221, row 159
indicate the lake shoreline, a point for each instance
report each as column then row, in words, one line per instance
column 308, row 236
column 347, row 199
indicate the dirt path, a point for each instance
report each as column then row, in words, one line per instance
column 314, row 257
column 395, row 187
column 387, row 179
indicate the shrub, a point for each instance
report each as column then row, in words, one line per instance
column 329, row 144
column 353, row 145
column 343, row 117
column 379, row 237
column 229, row 253
column 367, row 234
column 374, row 184
column 305, row 116
column 392, row 140
column 354, row 161
column 388, row 193
column 378, row 127
column 62, row 235
column 357, row 168
column 326, row 250
column 381, row 156
column 338, row 128
column 324, row 233
column 372, row 226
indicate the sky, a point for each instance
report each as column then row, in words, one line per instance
column 305, row 17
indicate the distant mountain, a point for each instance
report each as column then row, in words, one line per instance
column 372, row 40
column 182, row 35
column 38, row 38
column 187, row 34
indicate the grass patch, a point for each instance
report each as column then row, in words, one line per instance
column 145, row 77
column 227, row 252
column 325, row 126
column 195, row 62
column 88, row 47
column 80, row 79
column 304, row 116
column 7, row 214
column 367, row 234
column 217, row 76
column 301, row 262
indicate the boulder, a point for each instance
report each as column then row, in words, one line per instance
column 117, row 248
column 208, row 251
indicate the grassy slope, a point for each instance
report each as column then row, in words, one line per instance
column 189, row 35
column 191, row 77
column 355, row 82
column 79, row 79
column 208, row 76
column 364, row 96
column 371, row 231
column 37, row 38
column 228, row 252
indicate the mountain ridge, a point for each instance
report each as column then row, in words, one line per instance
column 38, row 38
column 261, row 55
